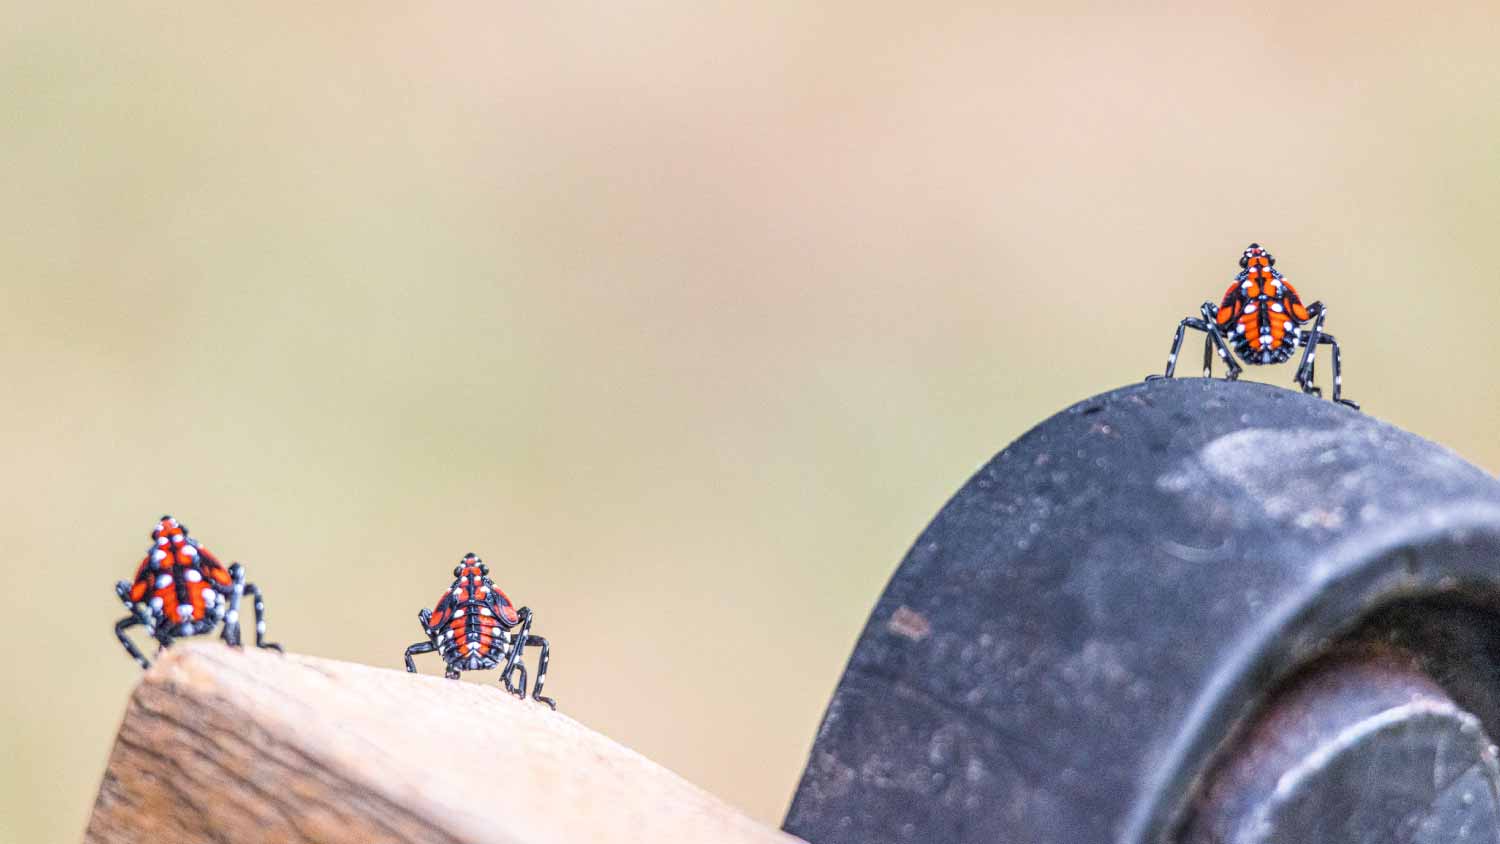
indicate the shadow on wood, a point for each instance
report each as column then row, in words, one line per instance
column 248, row 746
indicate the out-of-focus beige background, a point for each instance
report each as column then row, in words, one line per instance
column 686, row 316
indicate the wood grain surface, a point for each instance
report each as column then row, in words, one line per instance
column 220, row 745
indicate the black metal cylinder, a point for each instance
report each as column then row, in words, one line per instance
column 1089, row 639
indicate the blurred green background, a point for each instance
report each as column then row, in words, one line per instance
column 686, row 316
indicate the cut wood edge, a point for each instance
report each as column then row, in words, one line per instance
column 237, row 746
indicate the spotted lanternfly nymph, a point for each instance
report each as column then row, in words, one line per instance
column 1262, row 318
column 475, row 627
column 182, row 590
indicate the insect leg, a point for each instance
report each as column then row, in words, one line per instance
column 260, row 619
column 1190, row 322
column 142, row 615
column 1304, row 374
column 1218, row 342
column 1207, row 310
column 130, row 648
column 513, row 659
column 233, row 593
column 541, row 671
column 1176, row 347
column 1338, row 377
column 517, row 689
column 418, row 648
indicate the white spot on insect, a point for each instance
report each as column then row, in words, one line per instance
column 1276, row 306
column 485, row 611
column 1223, row 354
column 192, row 576
column 1265, row 357
column 186, row 629
column 233, row 617
column 540, row 678
column 163, row 580
column 161, row 540
column 260, row 627
column 458, row 614
column 185, row 610
column 1250, row 308
column 1286, row 325
column 457, row 591
column 190, row 551
column 158, row 555
column 1240, row 328
column 1246, row 284
column 156, row 603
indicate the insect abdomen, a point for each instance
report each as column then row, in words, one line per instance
column 1260, row 316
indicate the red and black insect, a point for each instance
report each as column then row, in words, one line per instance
column 182, row 590
column 1262, row 317
column 475, row 627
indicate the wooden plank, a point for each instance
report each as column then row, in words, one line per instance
column 231, row 746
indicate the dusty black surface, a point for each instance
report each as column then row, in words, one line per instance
column 1068, row 645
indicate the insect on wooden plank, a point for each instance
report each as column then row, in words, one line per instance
column 475, row 627
column 180, row 589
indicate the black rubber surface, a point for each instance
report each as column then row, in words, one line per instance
column 1072, row 639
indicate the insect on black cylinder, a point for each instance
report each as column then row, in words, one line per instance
column 1183, row 611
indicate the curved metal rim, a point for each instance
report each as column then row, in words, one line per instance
column 1448, row 546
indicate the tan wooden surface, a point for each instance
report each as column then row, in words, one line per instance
column 232, row 746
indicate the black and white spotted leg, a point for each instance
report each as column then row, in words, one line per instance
column 418, row 648
column 513, row 659
column 541, row 671
column 1182, row 327
column 233, row 593
column 1338, row 375
column 260, row 619
column 1310, row 341
column 1207, row 325
column 1234, row 369
column 122, row 589
column 120, row 627
column 1313, row 339
column 517, row 689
